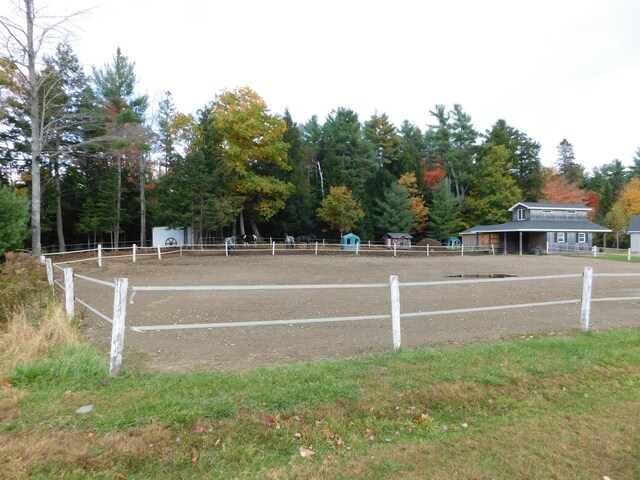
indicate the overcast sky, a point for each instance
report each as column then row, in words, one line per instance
column 552, row 69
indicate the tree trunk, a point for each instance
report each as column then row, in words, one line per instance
column 36, row 138
column 61, row 243
column 254, row 228
column 116, row 233
column 241, row 222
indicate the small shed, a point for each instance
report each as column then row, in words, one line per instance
column 169, row 237
column 401, row 241
column 634, row 233
column 350, row 242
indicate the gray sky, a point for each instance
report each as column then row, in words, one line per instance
column 552, row 69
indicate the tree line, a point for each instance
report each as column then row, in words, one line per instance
column 100, row 167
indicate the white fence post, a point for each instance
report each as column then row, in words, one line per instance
column 357, row 248
column 628, row 255
column 273, row 248
column 159, row 253
column 462, row 249
column 585, row 311
column 493, row 252
column 595, row 251
column 135, row 248
column 316, row 248
column 394, row 249
column 69, row 295
column 427, row 249
column 117, row 332
column 99, row 255
column 49, row 271
column 43, row 259
column 395, row 310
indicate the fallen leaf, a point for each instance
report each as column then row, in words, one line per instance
column 6, row 383
column 217, row 443
column 198, row 428
column 327, row 432
column 318, row 423
column 90, row 435
column 368, row 434
column 121, row 476
column 328, row 458
column 297, row 435
column 306, row 452
column 271, row 422
column 357, row 470
column 194, row 457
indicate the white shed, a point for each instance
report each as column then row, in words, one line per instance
column 634, row 233
column 165, row 236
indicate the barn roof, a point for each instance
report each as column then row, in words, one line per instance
column 539, row 226
column 634, row 227
column 550, row 206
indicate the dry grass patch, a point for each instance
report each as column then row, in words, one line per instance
column 25, row 340
column 26, row 453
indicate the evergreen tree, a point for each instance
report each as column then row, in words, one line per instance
column 384, row 138
column 114, row 86
column 14, row 220
column 444, row 213
column 394, row 210
column 411, row 150
column 524, row 160
column 567, row 165
column 451, row 142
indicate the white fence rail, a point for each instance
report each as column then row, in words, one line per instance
column 122, row 289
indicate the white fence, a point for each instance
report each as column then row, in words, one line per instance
column 122, row 289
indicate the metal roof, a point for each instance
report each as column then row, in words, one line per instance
column 550, row 206
column 635, row 224
column 539, row 226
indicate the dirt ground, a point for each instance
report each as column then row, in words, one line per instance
column 243, row 348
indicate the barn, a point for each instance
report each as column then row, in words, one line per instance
column 634, row 233
column 537, row 228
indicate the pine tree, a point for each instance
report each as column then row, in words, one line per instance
column 14, row 218
column 394, row 210
column 444, row 213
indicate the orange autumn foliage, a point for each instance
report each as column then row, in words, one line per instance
column 557, row 189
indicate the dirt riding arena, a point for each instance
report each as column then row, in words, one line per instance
column 241, row 348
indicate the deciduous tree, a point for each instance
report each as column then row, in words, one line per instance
column 340, row 210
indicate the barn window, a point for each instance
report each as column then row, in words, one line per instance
column 521, row 214
column 560, row 237
column 582, row 237
column 571, row 212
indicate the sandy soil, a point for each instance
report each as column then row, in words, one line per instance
column 242, row 348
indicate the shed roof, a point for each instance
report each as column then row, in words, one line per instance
column 539, row 226
column 397, row 235
column 634, row 227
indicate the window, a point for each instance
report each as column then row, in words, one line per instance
column 582, row 237
column 571, row 212
column 560, row 237
column 546, row 211
column 520, row 215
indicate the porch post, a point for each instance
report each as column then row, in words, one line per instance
column 520, row 246
column 505, row 243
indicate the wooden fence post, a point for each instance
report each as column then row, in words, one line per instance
column 117, row 332
column 69, row 295
column 49, row 271
column 395, row 311
column 585, row 310
column 99, row 255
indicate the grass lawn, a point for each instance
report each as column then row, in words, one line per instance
column 549, row 407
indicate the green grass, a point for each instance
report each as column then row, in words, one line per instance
column 548, row 407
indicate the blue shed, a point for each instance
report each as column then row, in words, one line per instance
column 350, row 242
